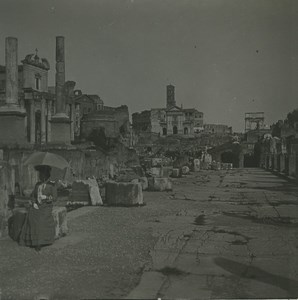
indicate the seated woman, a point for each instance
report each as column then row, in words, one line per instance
column 39, row 229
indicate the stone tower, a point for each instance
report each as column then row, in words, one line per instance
column 170, row 96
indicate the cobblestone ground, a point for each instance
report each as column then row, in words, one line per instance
column 218, row 234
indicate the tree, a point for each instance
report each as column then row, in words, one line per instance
column 98, row 137
column 292, row 118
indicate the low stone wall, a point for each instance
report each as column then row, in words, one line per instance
column 83, row 162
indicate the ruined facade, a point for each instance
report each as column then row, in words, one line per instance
column 171, row 120
column 217, row 129
column 113, row 120
column 37, row 101
column 34, row 97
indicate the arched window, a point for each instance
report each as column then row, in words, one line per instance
column 175, row 130
column 185, row 130
column 164, row 131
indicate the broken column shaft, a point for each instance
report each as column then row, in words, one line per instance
column 60, row 75
column 12, row 115
column 11, row 62
column 60, row 122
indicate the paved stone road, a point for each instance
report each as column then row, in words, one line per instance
column 236, row 238
column 219, row 234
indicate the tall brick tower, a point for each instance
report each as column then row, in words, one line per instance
column 170, row 96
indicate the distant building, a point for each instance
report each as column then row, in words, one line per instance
column 217, row 129
column 171, row 120
column 113, row 120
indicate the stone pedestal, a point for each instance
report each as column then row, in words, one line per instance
column 167, row 171
column 12, row 125
column 60, row 129
column 176, row 173
column 159, row 184
column 6, row 189
column 124, row 193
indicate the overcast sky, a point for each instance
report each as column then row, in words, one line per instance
column 225, row 57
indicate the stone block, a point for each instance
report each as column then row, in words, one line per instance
column 160, row 184
column 86, row 191
column 196, row 165
column 176, row 173
column 60, row 220
column 60, row 130
column 7, row 179
column 167, row 171
column 185, row 170
column 124, row 193
column 156, row 161
column 156, row 172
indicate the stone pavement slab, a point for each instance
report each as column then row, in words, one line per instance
column 242, row 242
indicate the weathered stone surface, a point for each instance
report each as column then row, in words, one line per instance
column 60, row 220
column 185, row 170
column 156, row 161
column 6, row 189
column 176, row 173
column 196, row 165
column 215, row 166
column 160, row 184
column 86, row 191
column 124, row 193
column 167, row 171
column 156, row 171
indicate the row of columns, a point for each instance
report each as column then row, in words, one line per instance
column 59, row 128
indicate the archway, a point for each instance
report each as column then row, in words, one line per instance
column 164, row 131
column 175, row 130
column 185, row 130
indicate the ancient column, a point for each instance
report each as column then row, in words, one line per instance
column 72, row 120
column 60, row 123
column 12, row 115
column 60, row 75
column 11, row 62
column 43, row 121
column 49, row 113
column 32, row 122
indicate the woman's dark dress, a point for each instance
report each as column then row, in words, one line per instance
column 39, row 228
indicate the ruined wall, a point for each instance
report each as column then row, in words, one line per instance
column 29, row 74
column 99, row 120
column 6, row 189
column 84, row 163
